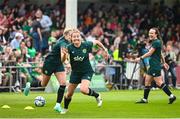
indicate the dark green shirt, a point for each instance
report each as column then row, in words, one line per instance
column 79, row 57
column 55, row 54
column 155, row 58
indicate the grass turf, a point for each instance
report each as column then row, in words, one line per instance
column 116, row 104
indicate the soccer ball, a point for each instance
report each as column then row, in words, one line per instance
column 39, row 101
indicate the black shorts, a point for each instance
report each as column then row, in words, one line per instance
column 76, row 77
column 49, row 67
column 154, row 72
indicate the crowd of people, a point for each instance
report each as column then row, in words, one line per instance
column 28, row 32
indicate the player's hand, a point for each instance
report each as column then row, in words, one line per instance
column 166, row 66
column 68, row 68
column 64, row 50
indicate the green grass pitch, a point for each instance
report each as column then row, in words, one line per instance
column 116, row 104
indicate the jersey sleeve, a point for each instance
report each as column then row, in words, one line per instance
column 89, row 45
column 156, row 45
column 61, row 44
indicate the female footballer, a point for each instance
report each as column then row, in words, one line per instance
column 154, row 71
column 54, row 64
column 82, row 71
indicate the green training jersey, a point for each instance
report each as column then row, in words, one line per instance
column 79, row 57
column 32, row 52
column 155, row 58
column 55, row 54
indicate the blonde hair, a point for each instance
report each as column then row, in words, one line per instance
column 66, row 31
column 75, row 31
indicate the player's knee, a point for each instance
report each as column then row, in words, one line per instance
column 84, row 90
column 147, row 84
column 63, row 83
column 159, row 84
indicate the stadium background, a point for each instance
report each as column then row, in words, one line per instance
column 105, row 20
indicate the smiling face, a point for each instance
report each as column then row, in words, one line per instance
column 152, row 34
column 76, row 38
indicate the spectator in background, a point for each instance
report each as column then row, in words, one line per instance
column 108, row 34
column 37, row 35
column 3, row 18
column 170, row 58
column 24, row 54
column 16, row 41
column 21, row 47
column 7, row 53
column 91, row 36
column 46, row 23
column 22, row 10
column 118, row 39
column 97, row 30
column 31, row 49
column 2, row 38
column 88, row 21
column 27, row 26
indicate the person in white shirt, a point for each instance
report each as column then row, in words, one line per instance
column 46, row 23
column 16, row 41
